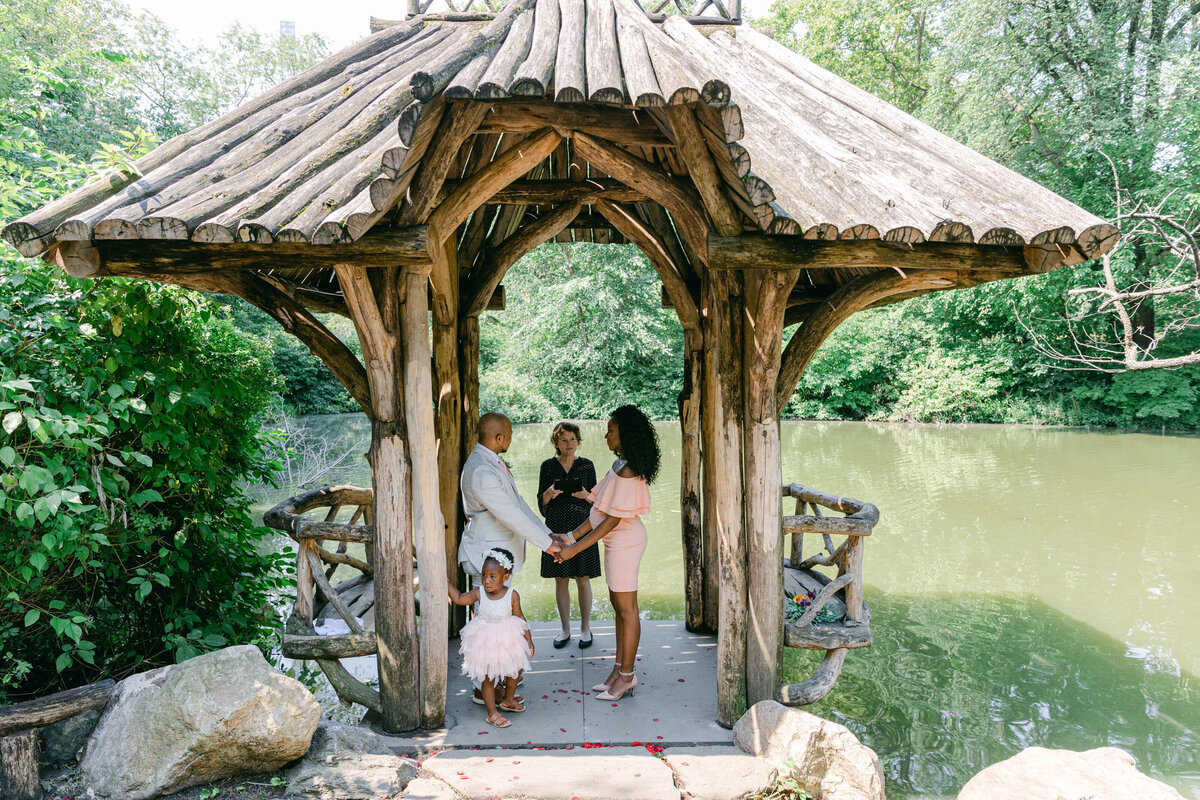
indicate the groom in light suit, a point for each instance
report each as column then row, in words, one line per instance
column 496, row 514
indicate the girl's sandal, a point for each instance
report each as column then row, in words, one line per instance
column 497, row 721
column 517, row 708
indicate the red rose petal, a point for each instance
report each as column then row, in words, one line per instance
column 563, row 730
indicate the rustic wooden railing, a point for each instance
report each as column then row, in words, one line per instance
column 844, row 592
column 315, row 565
column 701, row 12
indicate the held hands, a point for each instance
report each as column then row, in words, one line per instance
column 566, row 553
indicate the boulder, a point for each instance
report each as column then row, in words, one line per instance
column 827, row 759
column 352, row 777
column 351, row 763
column 218, row 715
column 1040, row 773
column 62, row 741
column 333, row 742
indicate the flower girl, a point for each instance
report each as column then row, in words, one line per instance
column 495, row 644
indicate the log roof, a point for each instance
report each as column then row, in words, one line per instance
column 594, row 106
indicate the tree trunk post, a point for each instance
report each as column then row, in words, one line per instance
column 468, row 363
column 708, row 417
column 766, row 296
column 428, row 527
column 448, row 399
column 19, row 766
column 689, row 481
column 375, row 311
column 723, row 380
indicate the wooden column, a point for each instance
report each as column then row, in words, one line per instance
column 468, row 365
column 690, row 480
column 429, row 529
column 19, row 766
column 712, row 572
column 766, row 294
column 723, row 401
column 375, row 310
column 448, row 400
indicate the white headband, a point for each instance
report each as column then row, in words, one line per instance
column 499, row 558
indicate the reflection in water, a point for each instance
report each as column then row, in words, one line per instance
column 1029, row 586
column 954, row 684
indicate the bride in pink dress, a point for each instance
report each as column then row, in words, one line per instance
column 619, row 501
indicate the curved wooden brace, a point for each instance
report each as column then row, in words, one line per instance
column 823, row 318
column 655, row 249
column 515, row 246
column 819, row 685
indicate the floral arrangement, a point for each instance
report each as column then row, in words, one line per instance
column 795, row 607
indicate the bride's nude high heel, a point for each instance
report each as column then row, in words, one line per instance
column 608, row 695
column 603, row 687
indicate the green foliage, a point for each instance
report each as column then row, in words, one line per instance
column 129, row 419
column 787, row 784
column 584, row 332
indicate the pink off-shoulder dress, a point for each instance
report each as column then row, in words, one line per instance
column 628, row 499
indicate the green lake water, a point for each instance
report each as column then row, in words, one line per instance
column 1029, row 587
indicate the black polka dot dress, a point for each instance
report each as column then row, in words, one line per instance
column 564, row 514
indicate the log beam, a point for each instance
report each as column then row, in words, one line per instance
column 555, row 191
column 690, row 143
column 517, row 245
column 612, row 124
column 407, row 247
column 476, row 190
column 681, row 200
column 820, row 320
column 55, row 707
column 459, row 122
column 759, row 251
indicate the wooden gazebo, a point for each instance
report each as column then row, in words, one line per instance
column 396, row 182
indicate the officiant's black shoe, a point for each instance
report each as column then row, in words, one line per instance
column 584, row 644
column 559, row 644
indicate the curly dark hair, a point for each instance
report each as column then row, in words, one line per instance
column 639, row 441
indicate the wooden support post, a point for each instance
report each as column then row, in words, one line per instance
column 429, row 530
column 766, row 295
column 376, row 314
column 708, row 417
column 723, row 384
column 468, row 364
column 448, row 400
column 689, row 481
column 19, row 766
column 852, row 563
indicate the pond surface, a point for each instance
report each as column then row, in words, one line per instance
column 1029, row 587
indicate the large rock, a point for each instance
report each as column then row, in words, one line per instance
column 352, row 777
column 63, row 740
column 828, row 759
column 217, row 715
column 349, row 763
column 1039, row 773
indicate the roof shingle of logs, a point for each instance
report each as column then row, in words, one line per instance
column 382, row 151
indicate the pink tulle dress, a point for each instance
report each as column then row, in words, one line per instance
column 493, row 643
column 628, row 499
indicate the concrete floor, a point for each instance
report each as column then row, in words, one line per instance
column 676, row 701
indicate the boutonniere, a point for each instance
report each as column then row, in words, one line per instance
column 507, row 465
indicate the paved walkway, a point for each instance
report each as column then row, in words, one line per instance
column 675, row 705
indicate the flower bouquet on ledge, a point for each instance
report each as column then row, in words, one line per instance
column 795, row 607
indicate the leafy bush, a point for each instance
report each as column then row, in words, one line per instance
column 129, row 419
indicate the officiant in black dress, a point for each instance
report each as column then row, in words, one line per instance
column 563, row 488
